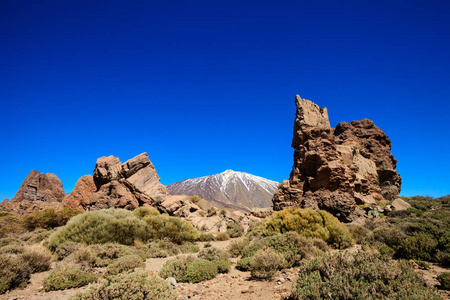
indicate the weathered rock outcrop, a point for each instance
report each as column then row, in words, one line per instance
column 337, row 169
column 115, row 185
column 37, row 192
column 81, row 194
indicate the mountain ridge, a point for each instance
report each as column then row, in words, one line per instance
column 229, row 188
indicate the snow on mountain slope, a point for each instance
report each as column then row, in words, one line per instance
column 229, row 188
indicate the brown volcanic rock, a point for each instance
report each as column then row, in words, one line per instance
column 40, row 187
column 129, row 185
column 37, row 192
column 337, row 169
column 80, row 197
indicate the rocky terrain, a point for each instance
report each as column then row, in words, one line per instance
column 337, row 169
column 229, row 189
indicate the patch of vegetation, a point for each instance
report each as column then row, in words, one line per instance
column 164, row 248
column 14, row 272
column 309, row 223
column 211, row 212
column 236, row 248
column 125, row 263
column 139, row 285
column 65, row 249
column 291, row 245
column 190, row 269
column 365, row 275
column 175, row 229
column 234, row 229
column 49, row 218
column 444, row 280
column 142, row 212
column 38, row 258
column 101, row 226
column 265, row 263
column 68, row 277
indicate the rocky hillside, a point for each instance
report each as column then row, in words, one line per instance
column 337, row 169
column 229, row 189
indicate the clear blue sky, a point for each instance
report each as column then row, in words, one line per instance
column 205, row 86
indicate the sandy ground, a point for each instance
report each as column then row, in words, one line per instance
column 234, row 285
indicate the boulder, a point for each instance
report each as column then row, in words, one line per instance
column 399, row 204
column 80, row 196
column 107, row 169
column 113, row 195
column 337, row 169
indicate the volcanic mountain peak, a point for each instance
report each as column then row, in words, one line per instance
column 229, row 188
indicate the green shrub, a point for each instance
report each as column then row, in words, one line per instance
column 176, row 268
column 106, row 253
column 223, row 265
column 200, row 270
column 12, row 249
column 243, row 264
column 65, row 249
column 421, row 246
column 234, row 229
column 10, row 224
column 360, row 234
column 38, row 258
column 443, row 258
column 206, row 237
column 222, row 236
column 212, row 253
column 236, row 248
column 49, row 218
column 84, row 256
column 68, row 277
column 175, row 229
column 142, row 212
column 211, row 212
column 444, row 280
column 309, row 223
column 101, row 226
column 14, row 272
column 164, row 248
column 364, row 275
column 391, row 236
column 125, row 263
column 265, row 263
column 189, row 269
column 291, row 245
column 139, row 285
column 194, row 199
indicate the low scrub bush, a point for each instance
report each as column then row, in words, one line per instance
column 175, row 229
column 265, row 263
column 189, row 269
column 164, row 248
column 364, row 275
column 244, row 264
column 235, row 229
column 49, row 218
column 68, row 277
column 139, row 285
column 10, row 224
column 200, row 270
column 309, row 223
column 12, row 249
column 101, row 226
column 14, row 272
column 291, row 245
column 38, row 258
column 125, row 263
column 142, row 212
column 421, row 246
column 213, row 253
column 37, row 236
column 236, row 248
column 444, row 280
column 65, row 249
column 222, row 236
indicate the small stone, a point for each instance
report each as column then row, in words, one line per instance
column 172, row 282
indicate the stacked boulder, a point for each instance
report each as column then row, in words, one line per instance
column 337, row 169
column 115, row 185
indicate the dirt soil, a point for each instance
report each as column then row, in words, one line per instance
column 234, row 285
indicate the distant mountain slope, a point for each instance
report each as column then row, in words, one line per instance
column 229, row 189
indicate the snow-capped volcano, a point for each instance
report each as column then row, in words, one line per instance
column 229, row 188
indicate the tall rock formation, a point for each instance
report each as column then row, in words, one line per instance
column 37, row 192
column 116, row 185
column 337, row 169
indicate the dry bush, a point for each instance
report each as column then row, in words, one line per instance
column 125, row 263
column 68, row 277
column 139, row 285
column 309, row 223
column 265, row 263
column 14, row 272
column 38, row 258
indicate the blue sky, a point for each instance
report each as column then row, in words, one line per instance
column 205, row 86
